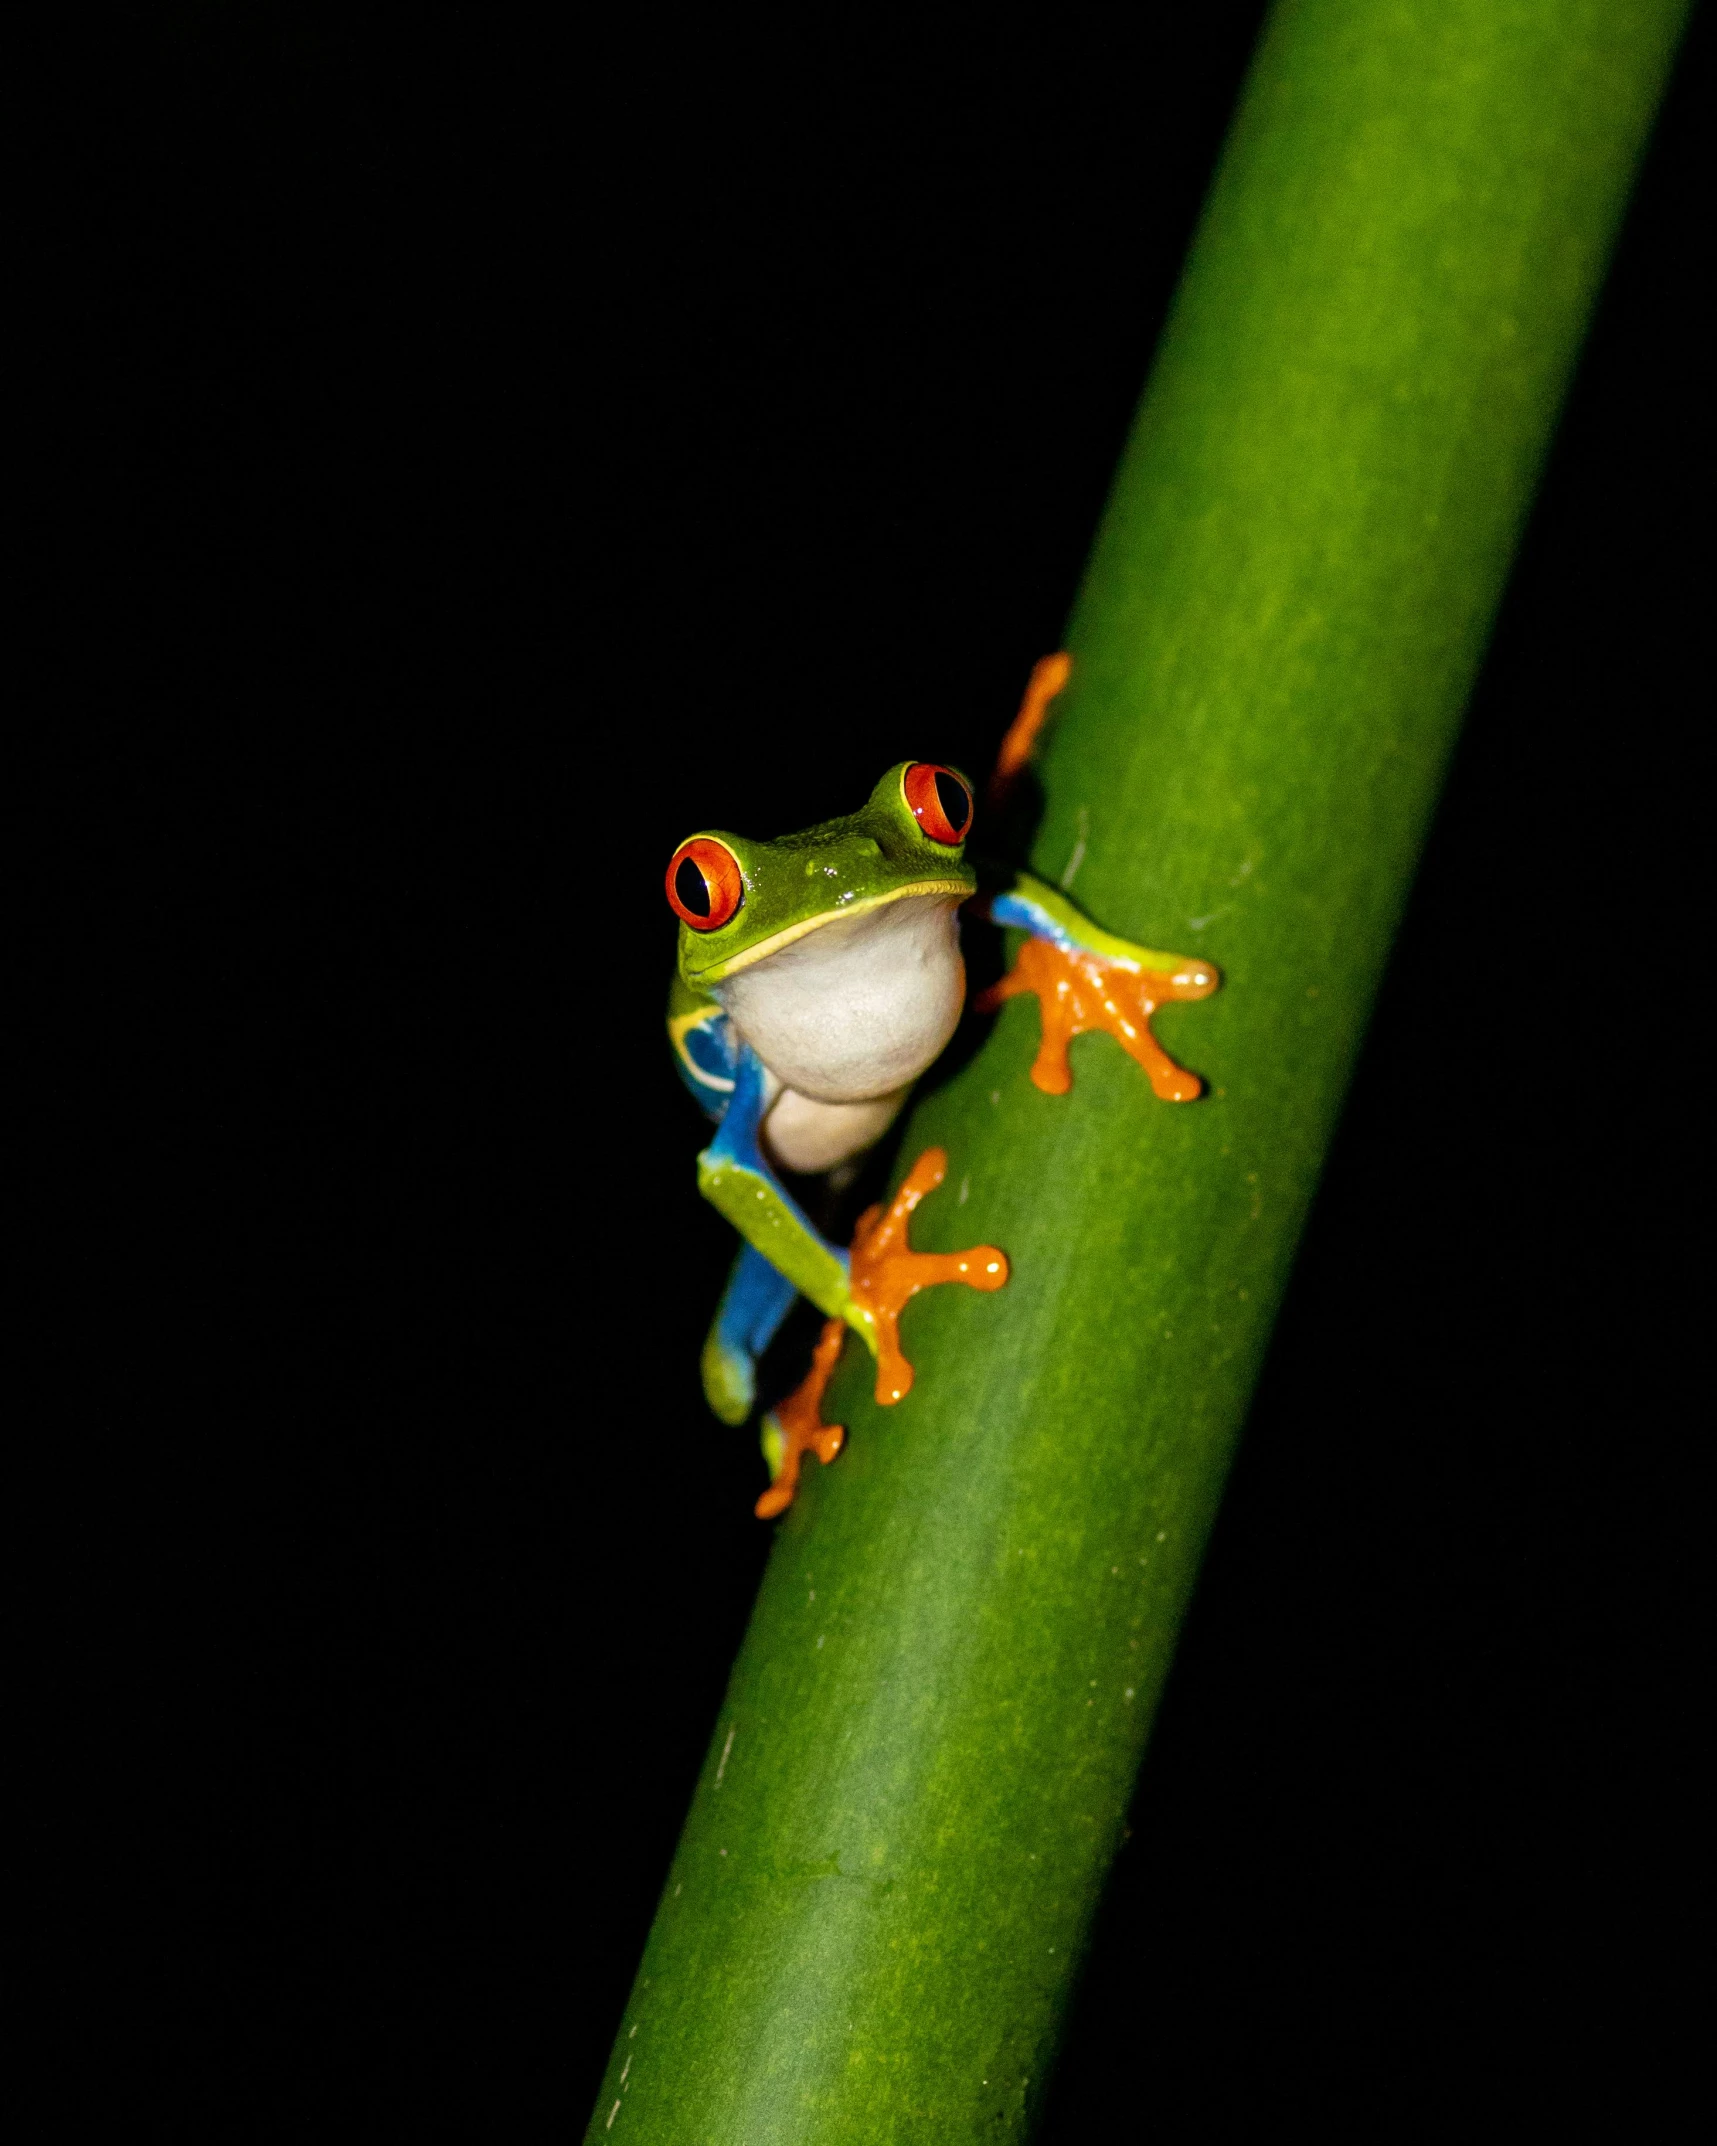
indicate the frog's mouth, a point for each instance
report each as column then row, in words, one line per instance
column 720, row 971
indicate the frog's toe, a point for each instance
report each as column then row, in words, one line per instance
column 729, row 1378
column 887, row 1273
column 774, row 1443
column 796, row 1427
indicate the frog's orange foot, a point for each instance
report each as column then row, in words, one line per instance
column 885, row 1272
column 1078, row 992
column 798, row 1424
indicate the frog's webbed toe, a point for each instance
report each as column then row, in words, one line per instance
column 1078, row 992
column 885, row 1274
column 1086, row 979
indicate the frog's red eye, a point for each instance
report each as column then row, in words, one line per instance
column 939, row 800
column 705, row 888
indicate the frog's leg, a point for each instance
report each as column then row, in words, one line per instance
column 1087, row 979
column 754, row 1303
column 886, row 1275
column 1048, row 675
column 867, row 1290
column 734, row 1176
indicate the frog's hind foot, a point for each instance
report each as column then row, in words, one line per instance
column 796, row 1427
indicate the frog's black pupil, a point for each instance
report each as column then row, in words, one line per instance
column 690, row 886
column 952, row 796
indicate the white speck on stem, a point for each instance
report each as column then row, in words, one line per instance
column 627, row 2068
column 728, row 1746
column 613, row 2112
column 965, row 1190
column 1078, row 856
column 821, row 1636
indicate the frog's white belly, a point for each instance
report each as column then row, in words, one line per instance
column 855, row 1010
column 801, row 1134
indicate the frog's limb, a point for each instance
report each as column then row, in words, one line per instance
column 1049, row 674
column 796, row 1427
column 1085, row 978
column 1047, row 913
column 886, row 1275
column 867, row 1291
column 735, row 1177
column 754, row 1303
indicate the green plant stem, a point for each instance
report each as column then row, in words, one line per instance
column 919, row 1775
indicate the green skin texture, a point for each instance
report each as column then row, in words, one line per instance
column 920, row 1772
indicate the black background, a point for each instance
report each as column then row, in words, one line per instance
column 489, row 456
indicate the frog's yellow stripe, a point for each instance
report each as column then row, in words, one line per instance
column 719, row 971
column 678, row 1023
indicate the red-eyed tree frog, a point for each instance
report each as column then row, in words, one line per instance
column 819, row 975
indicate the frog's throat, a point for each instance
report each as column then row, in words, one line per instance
column 719, row 971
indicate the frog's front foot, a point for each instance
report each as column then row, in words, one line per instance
column 885, row 1274
column 1079, row 991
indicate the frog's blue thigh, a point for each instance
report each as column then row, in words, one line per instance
column 754, row 1303
column 758, row 1294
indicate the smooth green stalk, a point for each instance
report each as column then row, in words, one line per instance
column 919, row 1775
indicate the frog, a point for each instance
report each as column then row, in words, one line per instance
column 819, row 976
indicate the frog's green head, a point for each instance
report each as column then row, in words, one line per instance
column 740, row 901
